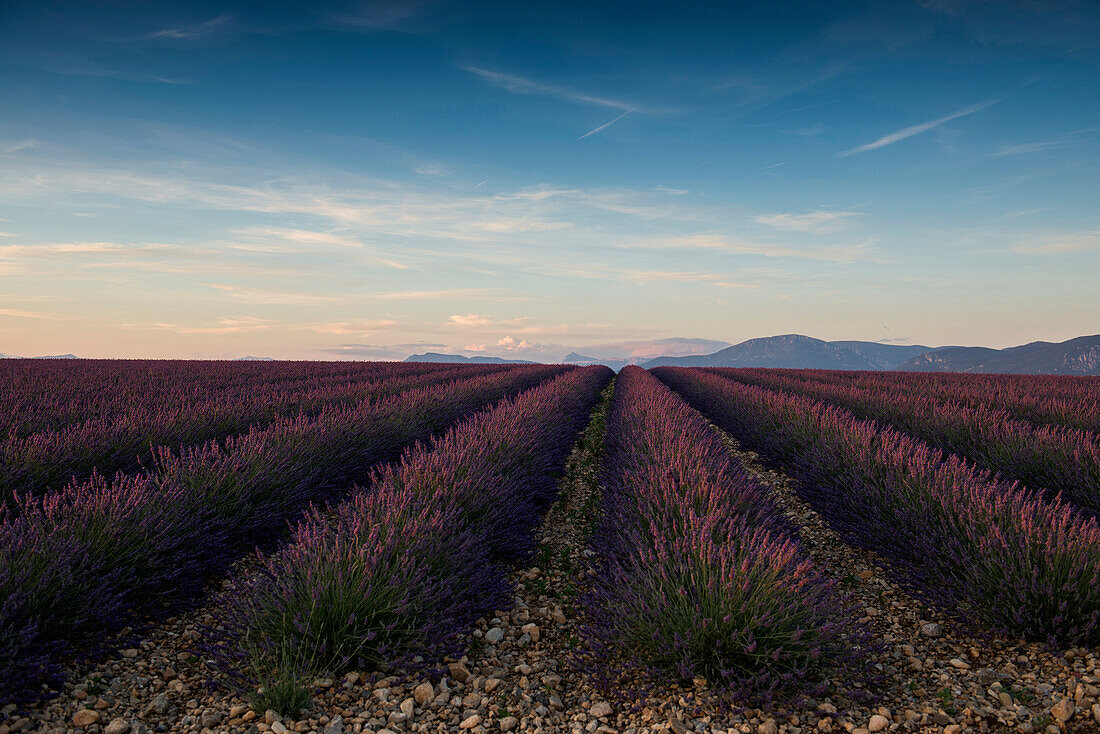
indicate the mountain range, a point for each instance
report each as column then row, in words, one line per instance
column 801, row 352
column 48, row 356
column 1080, row 356
column 437, row 357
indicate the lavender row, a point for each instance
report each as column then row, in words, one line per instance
column 129, row 397
column 1054, row 400
column 93, row 558
column 128, row 439
column 702, row 575
column 41, row 395
column 992, row 551
column 410, row 562
column 1046, row 458
column 50, row 394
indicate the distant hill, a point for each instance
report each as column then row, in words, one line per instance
column 1080, row 356
column 437, row 357
column 9, row 356
column 885, row 356
column 800, row 352
column 584, row 360
column 250, row 358
column 57, row 356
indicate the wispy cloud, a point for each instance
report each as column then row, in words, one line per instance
column 1028, row 148
column 10, row 148
column 638, row 276
column 16, row 313
column 382, row 351
column 846, row 253
column 469, row 319
column 292, row 297
column 908, row 132
column 396, row 265
column 643, row 277
column 299, row 236
column 483, row 293
column 430, row 169
column 1061, row 244
column 196, row 30
column 606, row 124
column 763, row 90
column 814, row 222
column 1027, row 212
column 349, row 206
column 573, row 330
column 224, row 325
column 87, row 249
column 1065, row 140
column 271, row 296
column 390, row 15
column 358, row 327
column 989, row 191
column 522, row 85
column 49, row 260
column 480, row 321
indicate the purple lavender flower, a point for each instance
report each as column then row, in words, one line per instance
column 988, row 550
column 407, row 564
column 94, row 557
column 702, row 575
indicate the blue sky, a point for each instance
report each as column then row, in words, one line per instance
column 366, row 180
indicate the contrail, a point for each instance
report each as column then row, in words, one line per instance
column 607, row 124
column 909, row 132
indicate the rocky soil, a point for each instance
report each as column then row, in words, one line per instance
column 521, row 674
column 937, row 678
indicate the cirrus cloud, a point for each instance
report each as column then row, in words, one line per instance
column 820, row 221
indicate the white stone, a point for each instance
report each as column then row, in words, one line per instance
column 600, row 710
column 118, row 726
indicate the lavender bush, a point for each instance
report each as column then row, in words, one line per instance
column 1051, row 458
column 123, row 437
column 53, row 394
column 989, row 550
column 95, row 557
column 1055, row 400
column 407, row 564
column 702, row 575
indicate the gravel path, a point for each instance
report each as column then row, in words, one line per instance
column 937, row 677
column 521, row 672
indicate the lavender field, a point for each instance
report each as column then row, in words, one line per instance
column 420, row 547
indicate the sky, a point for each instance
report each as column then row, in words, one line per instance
column 368, row 180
